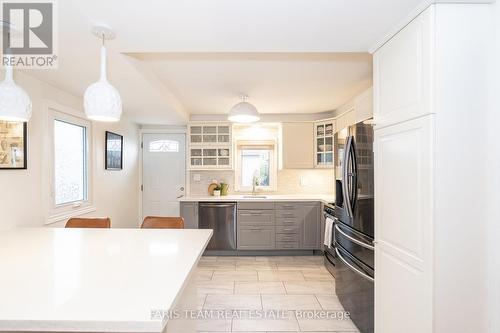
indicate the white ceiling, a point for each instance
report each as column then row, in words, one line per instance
column 173, row 58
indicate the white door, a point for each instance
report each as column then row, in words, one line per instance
column 404, row 227
column 163, row 173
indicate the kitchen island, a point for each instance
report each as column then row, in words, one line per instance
column 97, row 280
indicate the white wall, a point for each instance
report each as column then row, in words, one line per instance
column 21, row 191
column 493, row 191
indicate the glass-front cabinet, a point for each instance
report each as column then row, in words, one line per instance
column 323, row 144
column 210, row 146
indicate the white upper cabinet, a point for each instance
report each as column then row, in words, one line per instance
column 210, row 146
column 323, row 143
column 403, row 73
column 298, row 145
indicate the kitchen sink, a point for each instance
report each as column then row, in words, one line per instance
column 254, row 196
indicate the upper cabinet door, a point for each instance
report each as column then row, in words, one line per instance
column 403, row 81
column 298, row 146
column 323, row 144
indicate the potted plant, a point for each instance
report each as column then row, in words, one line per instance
column 217, row 191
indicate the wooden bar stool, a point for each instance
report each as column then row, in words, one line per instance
column 158, row 222
column 79, row 222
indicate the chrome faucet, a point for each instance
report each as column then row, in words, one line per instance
column 255, row 182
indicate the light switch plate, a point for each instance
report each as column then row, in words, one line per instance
column 304, row 181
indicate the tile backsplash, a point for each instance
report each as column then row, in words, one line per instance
column 290, row 181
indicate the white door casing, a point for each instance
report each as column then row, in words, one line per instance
column 163, row 173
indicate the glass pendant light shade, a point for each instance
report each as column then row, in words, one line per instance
column 15, row 104
column 243, row 112
column 102, row 102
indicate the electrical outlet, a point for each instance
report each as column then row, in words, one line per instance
column 197, row 177
column 304, row 181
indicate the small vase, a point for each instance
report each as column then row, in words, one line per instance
column 216, row 193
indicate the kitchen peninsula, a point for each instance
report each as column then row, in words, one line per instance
column 97, row 280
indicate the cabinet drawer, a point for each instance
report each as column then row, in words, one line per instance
column 255, row 217
column 256, row 238
column 291, row 229
column 256, row 205
column 288, row 213
column 287, row 245
column 288, row 205
column 286, row 221
column 287, row 237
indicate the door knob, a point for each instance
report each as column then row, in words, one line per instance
column 182, row 188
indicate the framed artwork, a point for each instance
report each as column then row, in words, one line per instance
column 114, row 151
column 13, row 145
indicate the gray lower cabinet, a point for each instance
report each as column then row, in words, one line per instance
column 271, row 226
column 311, row 226
column 256, row 226
column 189, row 211
column 256, row 238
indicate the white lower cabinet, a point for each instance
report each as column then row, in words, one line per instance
column 404, row 226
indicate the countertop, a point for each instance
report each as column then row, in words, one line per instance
column 325, row 198
column 93, row 280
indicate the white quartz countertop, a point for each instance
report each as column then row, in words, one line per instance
column 93, row 280
column 325, row 198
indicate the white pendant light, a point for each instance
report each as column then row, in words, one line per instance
column 243, row 112
column 102, row 102
column 15, row 104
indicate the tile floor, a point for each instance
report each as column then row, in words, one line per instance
column 290, row 289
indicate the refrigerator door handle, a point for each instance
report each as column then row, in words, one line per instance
column 346, row 177
column 354, row 164
column 354, row 269
column 354, row 240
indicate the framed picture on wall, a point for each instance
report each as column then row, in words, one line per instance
column 13, row 145
column 114, row 151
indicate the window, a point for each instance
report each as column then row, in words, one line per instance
column 70, row 173
column 164, row 146
column 256, row 162
column 70, row 162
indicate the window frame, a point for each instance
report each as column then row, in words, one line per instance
column 273, row 164
column 61, row 212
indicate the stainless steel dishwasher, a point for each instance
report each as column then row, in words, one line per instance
column 221, row 217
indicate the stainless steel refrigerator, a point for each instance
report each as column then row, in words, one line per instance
column 352, row 254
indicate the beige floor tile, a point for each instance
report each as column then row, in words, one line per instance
column 235, row 276
column 216, row 265
column 233, row 302
column 200, row 301
column 203, row 275
column 299, row 267
column 329, row 302
column 213, row 325
column 322, row 325
column 310, row 259
column 317, row 275
column 208, row 258
column 281, row 276
column 290, row 302
column 215, row 287
column 234, row 259
column 282, row 324
column 259, row 288
column 256, row 265
column 310, row 287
